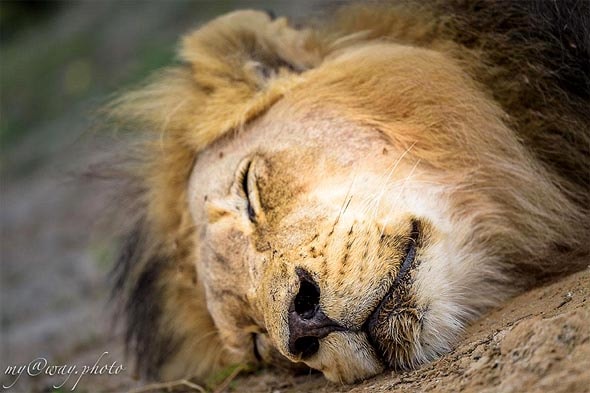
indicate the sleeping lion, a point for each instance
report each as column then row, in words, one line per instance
column 348, row 195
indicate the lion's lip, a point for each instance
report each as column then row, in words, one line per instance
column 404, row 270
column 388, row 303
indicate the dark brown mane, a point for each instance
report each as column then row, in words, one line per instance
column 537, row 59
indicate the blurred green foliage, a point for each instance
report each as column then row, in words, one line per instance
column 19, row 15
column 49, row 70
column 62, row 60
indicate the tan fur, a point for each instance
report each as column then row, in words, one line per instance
column 382, row 106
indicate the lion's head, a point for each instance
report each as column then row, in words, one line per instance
column 348, row 198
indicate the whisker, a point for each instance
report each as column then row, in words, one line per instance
column 205, row 336
column 399, row 194
column 387, row 179
column 347, row 200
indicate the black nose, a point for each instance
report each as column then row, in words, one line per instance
column 307, row 322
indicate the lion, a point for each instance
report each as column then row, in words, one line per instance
column 349, row 194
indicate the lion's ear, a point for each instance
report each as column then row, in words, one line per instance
column 246, row 49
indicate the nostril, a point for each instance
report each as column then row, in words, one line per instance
column 308, row 324
column 307, row 346
column 307, row 300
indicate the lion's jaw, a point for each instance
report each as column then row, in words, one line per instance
column 348, row 228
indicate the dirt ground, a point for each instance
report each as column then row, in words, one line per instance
column 55, row 253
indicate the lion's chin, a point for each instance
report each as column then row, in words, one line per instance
column 346, row 357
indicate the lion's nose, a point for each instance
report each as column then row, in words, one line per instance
column 307, row 322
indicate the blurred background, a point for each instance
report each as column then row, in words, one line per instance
column 60, row 61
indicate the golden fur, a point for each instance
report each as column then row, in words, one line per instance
column 467, row 151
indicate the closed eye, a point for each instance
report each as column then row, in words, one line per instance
column 246, row 188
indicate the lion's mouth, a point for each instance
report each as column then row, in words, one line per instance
column 379, row 325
